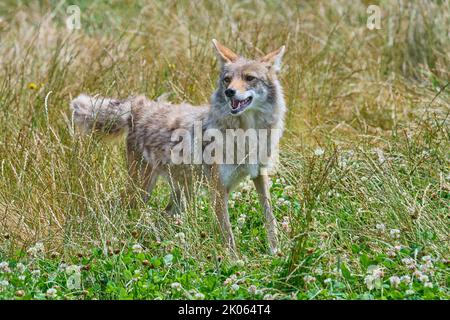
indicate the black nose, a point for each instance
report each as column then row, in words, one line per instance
column 230, row 92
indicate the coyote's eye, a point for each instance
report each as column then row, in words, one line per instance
column 227, row 80
column 249, row 78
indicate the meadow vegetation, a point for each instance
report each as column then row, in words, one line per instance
column 363, row 187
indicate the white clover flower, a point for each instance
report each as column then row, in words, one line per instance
column 39, row 246
column 406, row 279
column 337, row 271
column 62, row 267
column 428, row 285
column 417, row 273
column 181, row 237
column 378, row 273
column 36, row 250
column 285, row 224
column 309, row 279
column 394, row 233
column 423, row 278
column 20, row 267
column 236, row 195
column 409, row 262
column 176, row 286
column 137, row 248
column 241, row 220
column 373, row 279
column 32, row 251
column 234, row 287
column 398, row 248
column 319, row 152
column 427, row 259
column 252, row 289
column 288, row 191
column 3, row 285
column 283, row 202
column 395, row 281
column 409, row 292
column 73, row 269
column 380, row 227
column 51, row 293
column 21, row 277
column 328, row 281
column 199, row 296
column 391, row 253
column 380, row 154
column 318, row 271
column 240, row 263
column 426, row 267
column 231, row 279
column 137, row 274
column 4, row 267
column 246, row 185
column 369, row 280
column 36, row 273
column 177, row 220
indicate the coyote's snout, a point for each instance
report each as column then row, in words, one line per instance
column 248, row 97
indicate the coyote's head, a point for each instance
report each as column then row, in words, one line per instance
column 247, row 84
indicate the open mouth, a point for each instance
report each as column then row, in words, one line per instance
column 239, row 105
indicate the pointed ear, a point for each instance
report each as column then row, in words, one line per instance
column 274, row 58
column 225, row 54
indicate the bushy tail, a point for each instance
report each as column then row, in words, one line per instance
column 99, row 114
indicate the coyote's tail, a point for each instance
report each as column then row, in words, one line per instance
column 99, row 114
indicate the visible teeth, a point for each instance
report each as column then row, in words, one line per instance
column 239, row 103
column 242, row 102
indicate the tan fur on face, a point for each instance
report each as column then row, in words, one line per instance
column 238, row 84
column 239, row 70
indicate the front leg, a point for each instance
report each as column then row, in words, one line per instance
column 262, row 187
column 220, row 197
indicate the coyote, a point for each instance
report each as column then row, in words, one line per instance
column 248, row 96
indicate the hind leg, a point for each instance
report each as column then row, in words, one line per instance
column 174, row 206
column 180, row 194
column 148, row 185
column 142, row 176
